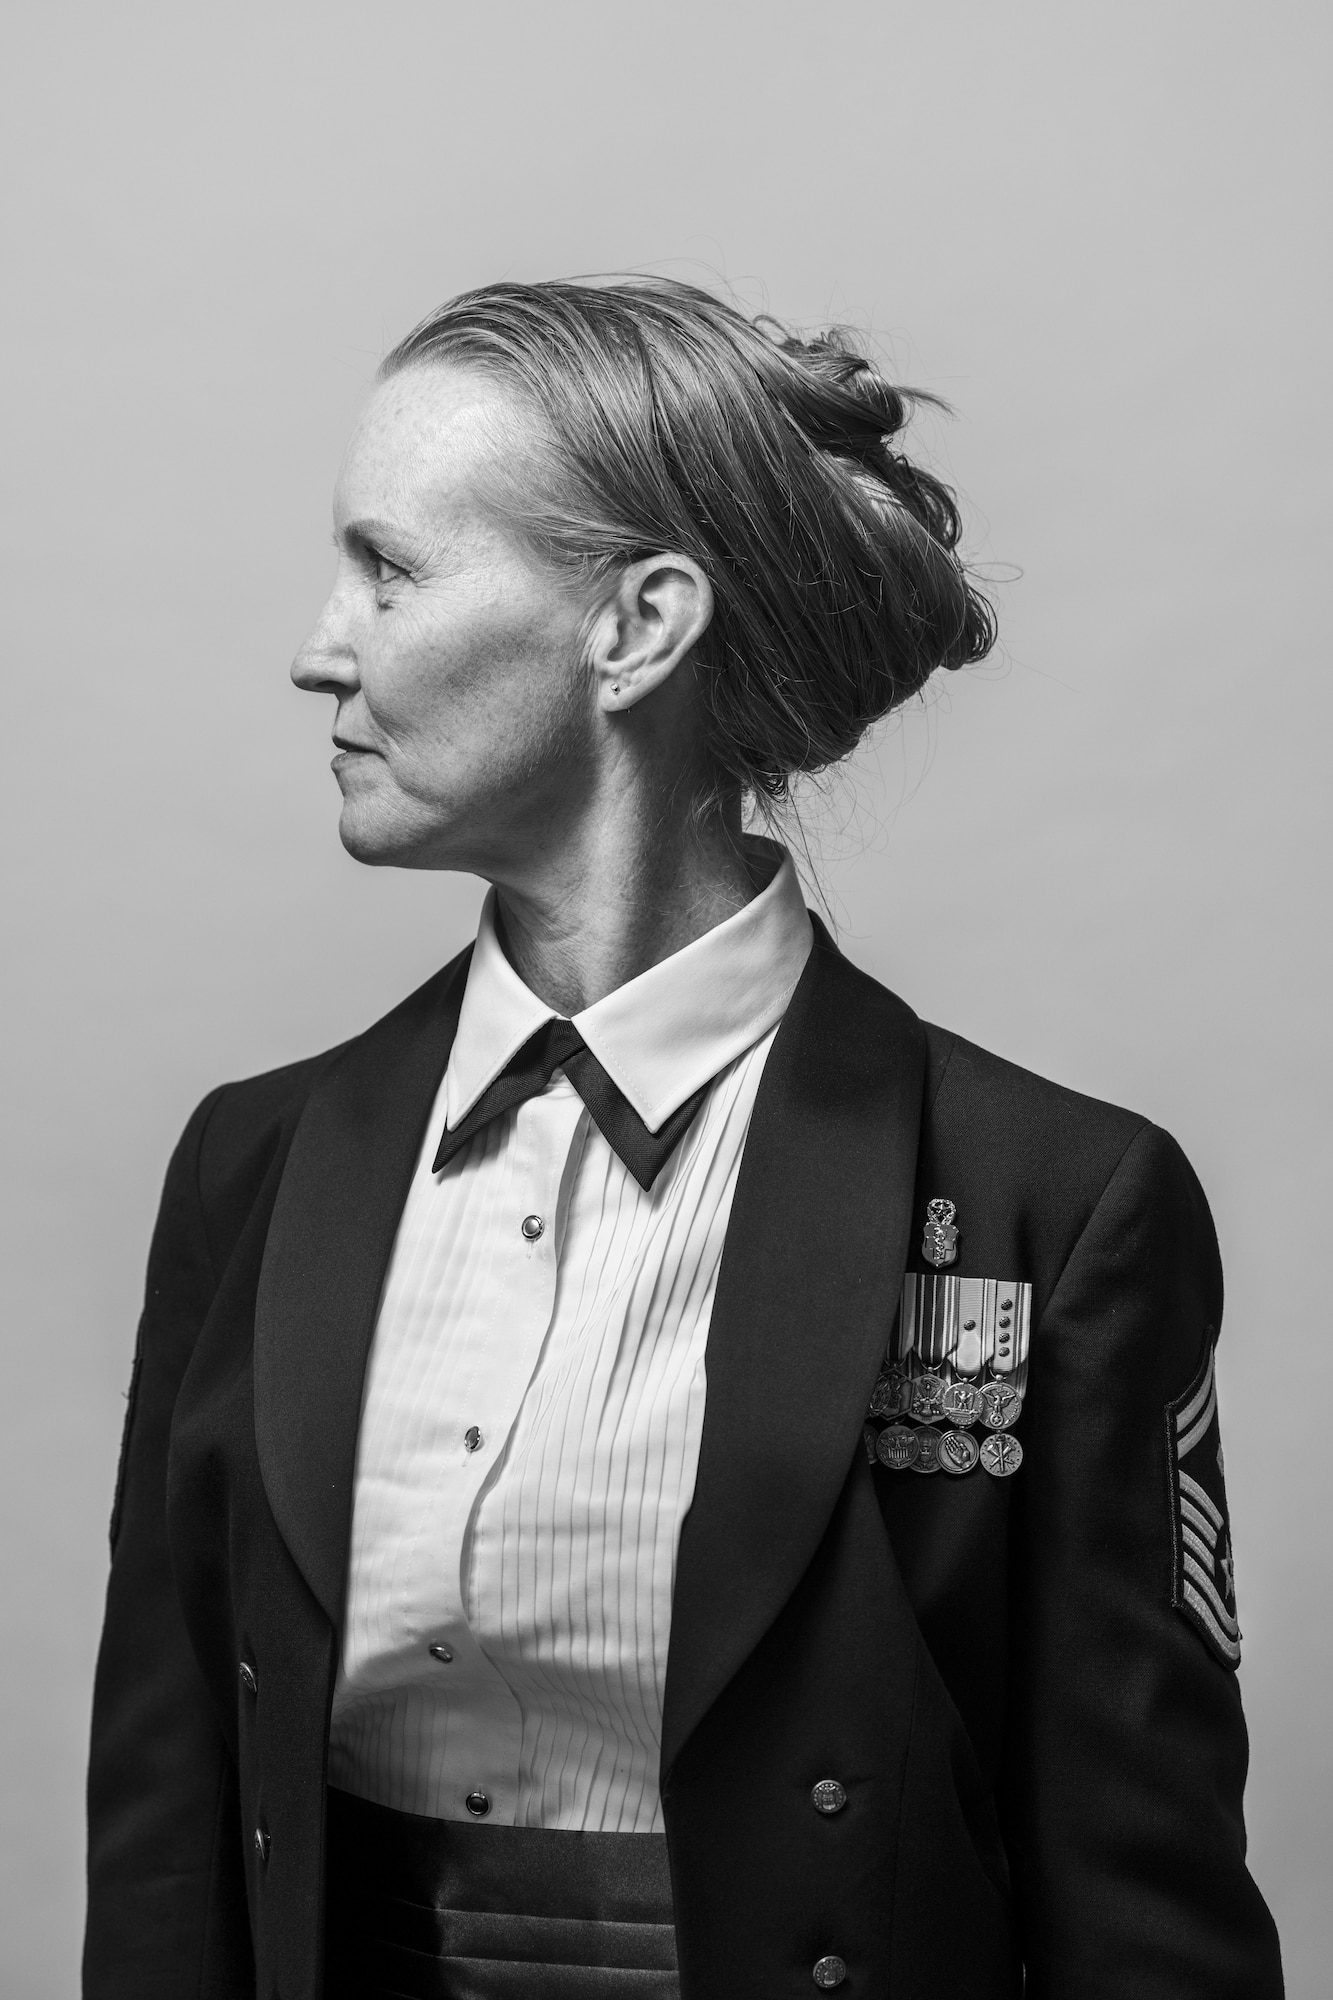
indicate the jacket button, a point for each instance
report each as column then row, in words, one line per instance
column 829, row 1972
column 828, row 1796
column 262, row 1843
column 249, row 1678
column 478, row 1804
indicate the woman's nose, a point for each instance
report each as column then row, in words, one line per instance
column 325, row 662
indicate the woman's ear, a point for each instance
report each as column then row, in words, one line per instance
column 660, row 609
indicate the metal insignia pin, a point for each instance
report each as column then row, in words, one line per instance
column 939, row 1245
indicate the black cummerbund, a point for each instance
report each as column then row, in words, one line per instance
column 438, row 1909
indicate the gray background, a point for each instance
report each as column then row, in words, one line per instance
column 1095, row 228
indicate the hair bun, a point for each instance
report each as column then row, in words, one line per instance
column 671, row 421
column 869, row 404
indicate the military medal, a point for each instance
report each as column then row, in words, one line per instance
column 928, row 1398
column 1001, row 1406
column 1001, row 1455
column 959, row 1452
column 956, row 1362
column 939, row 1245
column 898, row 1447
column 961, row 1403
column 892, row 1395
column 928, row 1441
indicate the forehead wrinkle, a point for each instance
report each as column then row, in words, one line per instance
column 423, row 454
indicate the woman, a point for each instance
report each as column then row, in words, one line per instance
column 652, row 1470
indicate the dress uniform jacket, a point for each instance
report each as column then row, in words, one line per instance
column 1042, row 1754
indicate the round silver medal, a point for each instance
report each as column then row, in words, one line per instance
column 959, row 1452
column 892, row 1395
column 1001, row 1405
column 928, row 1450
column 928, row 1396
column 898, row 1447
column 1001, row 1455
column 962, row 1403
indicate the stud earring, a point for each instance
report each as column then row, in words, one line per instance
column 615, row 687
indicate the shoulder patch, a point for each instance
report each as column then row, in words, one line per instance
column 1203, row 1581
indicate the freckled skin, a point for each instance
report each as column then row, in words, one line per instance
column 456, row 655
column 496, row 714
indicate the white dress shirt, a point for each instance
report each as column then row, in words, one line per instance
column 534, row 1399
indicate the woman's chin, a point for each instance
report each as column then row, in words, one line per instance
column 381, row 840
column 371, row 837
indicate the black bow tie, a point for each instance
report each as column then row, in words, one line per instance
column 559, row 1045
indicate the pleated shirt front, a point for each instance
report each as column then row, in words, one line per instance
column 535, row 1396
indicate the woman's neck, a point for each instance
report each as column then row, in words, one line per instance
column 626, row 897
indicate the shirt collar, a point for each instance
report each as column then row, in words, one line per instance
column 661, row 1036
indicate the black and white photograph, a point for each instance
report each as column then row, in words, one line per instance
column 664, row 1332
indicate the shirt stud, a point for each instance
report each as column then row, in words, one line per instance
column 472, row 1438
column 441, row 1653
column 478, row 1804
column 532, row 1227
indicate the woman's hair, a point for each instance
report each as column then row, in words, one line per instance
column 665, row 420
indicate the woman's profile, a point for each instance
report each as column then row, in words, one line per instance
column 652, row 1470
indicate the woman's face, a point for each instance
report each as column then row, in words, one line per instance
column 466, row 718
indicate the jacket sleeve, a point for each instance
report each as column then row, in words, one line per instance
column 1122, row 1793
column 166, row 1908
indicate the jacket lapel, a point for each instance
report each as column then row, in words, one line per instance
column 334, row 1221
column 815, row 1252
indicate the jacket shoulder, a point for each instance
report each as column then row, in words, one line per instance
column 242, row 1112
column 237, row 1137
column 243, row 1129
column 1017, row 1108
column 1039, row 1159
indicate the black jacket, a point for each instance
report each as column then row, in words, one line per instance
column 1043, row 1753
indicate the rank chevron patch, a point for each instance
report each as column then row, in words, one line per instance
column 1203, row 1581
